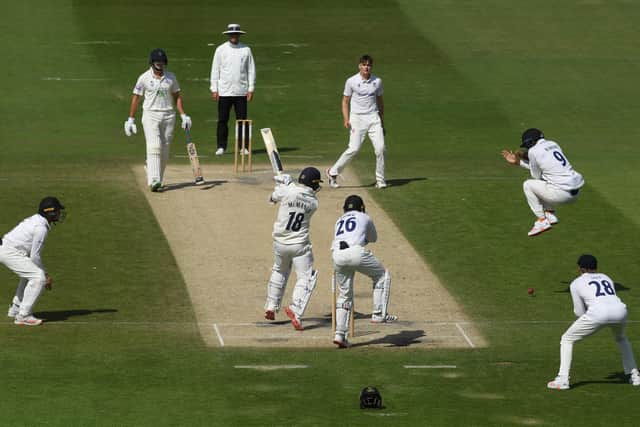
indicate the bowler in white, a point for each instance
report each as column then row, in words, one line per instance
column 363, row 115
column 596, row 305
column 554, row 181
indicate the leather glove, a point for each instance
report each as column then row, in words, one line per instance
column 283, row 179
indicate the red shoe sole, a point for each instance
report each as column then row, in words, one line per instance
column 296, row 324
column 270, row 315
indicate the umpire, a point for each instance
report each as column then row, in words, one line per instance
column 233, row 78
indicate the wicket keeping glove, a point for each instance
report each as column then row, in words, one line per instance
column 186, row 121
column 283, row 179
column 130, row 126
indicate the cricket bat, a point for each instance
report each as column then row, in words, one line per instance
column 193, row 158
column 272, row 150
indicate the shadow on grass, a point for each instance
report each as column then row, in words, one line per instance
column 62, row 315
column 206, row 186
column 618, row 286
column 280, row 150
column 618, row 378
column 401, row 339
column 390, row 183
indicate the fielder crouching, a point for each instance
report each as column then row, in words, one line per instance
column 353, row 230
column 291, row 244
column 20, row 251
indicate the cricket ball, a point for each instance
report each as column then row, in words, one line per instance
column 531, row 291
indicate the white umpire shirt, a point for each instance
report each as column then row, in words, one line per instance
column 548, row 163
column 28, row 237
column 355, row 228
column 363, row 93
column 158, row 93
column 233, row 71
column 297, row 205
column 594, row 294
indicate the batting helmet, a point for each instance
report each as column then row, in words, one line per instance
column 370, row 398
column 530, row 137
column 310, row 177
column 158, row 55
column 51, row 208
column 353, row 203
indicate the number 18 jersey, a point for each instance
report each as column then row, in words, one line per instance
column 355, row 229
column 297, row 205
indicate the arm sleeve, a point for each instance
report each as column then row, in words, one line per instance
column 278, row 193
column 380, row 89
column 578, row 305
column 215, row 72
column 372, row 234
column 535, row 169
column 251, row 68
column 525, row 164
column 138, row 89
column 39, row 236
column 175, row 86
column 347, row 89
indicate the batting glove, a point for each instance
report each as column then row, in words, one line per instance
column 186, row 121
column 130, row 126
column 283, row 179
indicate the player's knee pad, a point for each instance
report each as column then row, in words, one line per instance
column 381, row 293
column 275, row 292
column 302, row 292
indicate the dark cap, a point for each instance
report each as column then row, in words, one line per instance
column 588, row 262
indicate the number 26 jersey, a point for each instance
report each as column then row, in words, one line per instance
column 355, row 229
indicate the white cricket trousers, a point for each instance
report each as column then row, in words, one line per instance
column 300, row 256
column 32, row 277
column 361, row 126
column 615, row 317
column 346, row 262
column 543, row 196
column 158, row 132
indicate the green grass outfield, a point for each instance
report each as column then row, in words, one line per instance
column 462, row 80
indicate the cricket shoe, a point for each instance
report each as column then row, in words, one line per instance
column 270, row 315
column 29, row 320
column 559, row 384
column 540, row 226
column 341, row 341
column 155, row 186
column 388, row 318
column 551, row 217
column 220, row 151
column 634, row 379
column 333, row 179
column 295, row 320
column 245, row 152
column 381, row 184
column 14, row 309
column 199, row 180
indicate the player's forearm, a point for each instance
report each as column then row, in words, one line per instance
column 380, row 108
column 345, row 109
column 179, row 105
column 134, row 105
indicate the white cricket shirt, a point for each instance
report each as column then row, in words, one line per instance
column 297, row 205
column 233, row 71
column 594, row 294
column 355, row 228
column 29, row 237
column 363, row 93
column 157, row 92
column 548, row 163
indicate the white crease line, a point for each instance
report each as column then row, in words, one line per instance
column 186, row 156
column 71, row 79
column 430, row 367
column 220, row 340
column 465, row 335
column 279, row 337
column 97, row 42
column 270, row 367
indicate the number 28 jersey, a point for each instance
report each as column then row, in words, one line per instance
column 355, row 229
column 297, row 205
column 594, row 293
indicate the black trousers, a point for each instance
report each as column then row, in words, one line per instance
column 225, row 103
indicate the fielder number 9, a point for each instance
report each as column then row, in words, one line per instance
column 558, row 155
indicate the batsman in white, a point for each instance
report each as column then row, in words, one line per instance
column 353, row 230
column 362, row 114
column 160, row 90
column 20, row 251
column 554, row 180
column 596, row 304
column 291, row 244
